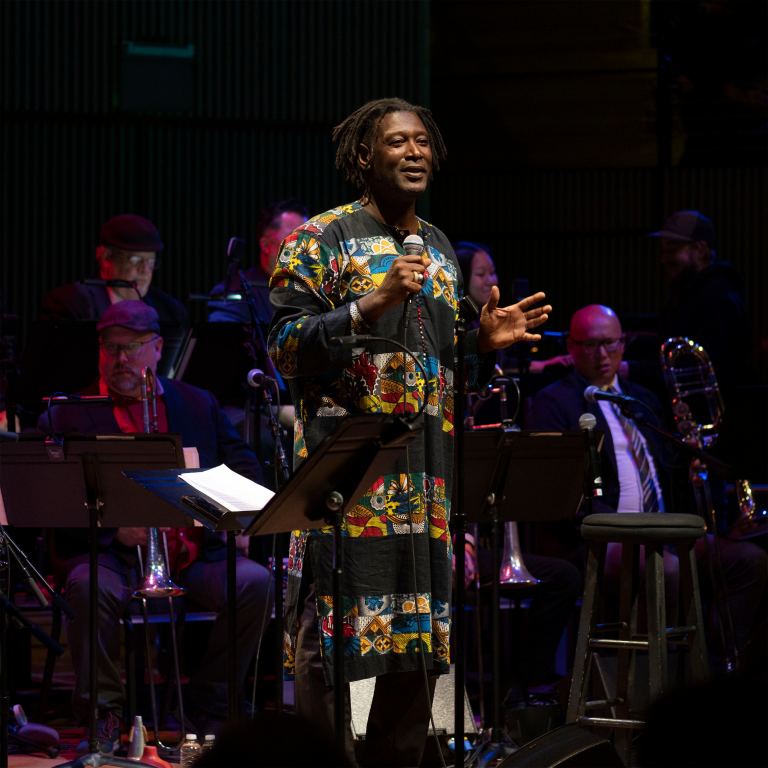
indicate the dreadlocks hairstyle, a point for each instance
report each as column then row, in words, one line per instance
column 361, row 126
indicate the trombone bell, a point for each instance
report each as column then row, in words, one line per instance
column 513, row 570
column 157, row 581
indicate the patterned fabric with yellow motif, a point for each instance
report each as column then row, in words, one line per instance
column 389, row 612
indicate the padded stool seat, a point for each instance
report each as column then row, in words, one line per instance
column 650, row 527
column 619, row 708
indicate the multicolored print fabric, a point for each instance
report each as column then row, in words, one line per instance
column 324, row 266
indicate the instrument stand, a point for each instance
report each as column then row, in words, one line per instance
column 52, row 483
column 510, row 474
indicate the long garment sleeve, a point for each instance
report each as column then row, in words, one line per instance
column 323, row 267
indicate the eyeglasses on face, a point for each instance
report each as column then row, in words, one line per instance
column 592, row 345
column 134, row 260
column 131, row 350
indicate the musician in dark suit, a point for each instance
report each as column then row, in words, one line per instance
column 129, row 341
column 638, row 473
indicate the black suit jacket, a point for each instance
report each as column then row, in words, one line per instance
column 559, row 406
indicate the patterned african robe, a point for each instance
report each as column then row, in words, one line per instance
column 323, row 266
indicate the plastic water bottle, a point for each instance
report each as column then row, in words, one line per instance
column 190, row 751
column 209, row 741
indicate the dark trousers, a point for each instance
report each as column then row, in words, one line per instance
column 399, row 715
column 552, row 607
column 206, row 587
column 743, row 583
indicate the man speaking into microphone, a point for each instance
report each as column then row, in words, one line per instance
column 353, row 271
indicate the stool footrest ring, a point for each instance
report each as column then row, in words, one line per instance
column 611, row 722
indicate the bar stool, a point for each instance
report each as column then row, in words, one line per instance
column 618, row 709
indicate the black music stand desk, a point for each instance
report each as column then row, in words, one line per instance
column 336, row 473
column 523, row 476
column 78, row 482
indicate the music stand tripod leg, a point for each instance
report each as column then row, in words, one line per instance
column 232, row 688
column 94, row 758
column 335, row 504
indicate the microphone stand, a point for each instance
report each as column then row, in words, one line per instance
column 459, row 528
column 259, row 349
column 282, row 475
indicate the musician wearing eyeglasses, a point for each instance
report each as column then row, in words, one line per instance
column 127, row 257
column 129, row 343
column 639, row 474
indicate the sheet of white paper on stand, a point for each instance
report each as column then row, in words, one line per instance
column 230, row 489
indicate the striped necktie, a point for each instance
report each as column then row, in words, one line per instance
column 652, row 501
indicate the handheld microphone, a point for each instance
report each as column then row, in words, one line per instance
column 587, row 424
column 413, row 245
column 592, row 394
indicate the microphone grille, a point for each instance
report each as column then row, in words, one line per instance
column 589, row 393
column 587, row 421
column 413, row 244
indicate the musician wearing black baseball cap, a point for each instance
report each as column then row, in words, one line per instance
column 127, row 255
column 706, row 299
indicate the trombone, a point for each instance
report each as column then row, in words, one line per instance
column 697, row 408
column 156, row 579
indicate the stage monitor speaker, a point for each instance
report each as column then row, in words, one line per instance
column 361, row 696
column 569, row 746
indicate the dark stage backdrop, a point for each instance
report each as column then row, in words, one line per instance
column 193, row 113
column 198, row 113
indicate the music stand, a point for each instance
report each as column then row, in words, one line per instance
column 167, row 486
column 508, row 477
column 32, row 476
column 334, row 476
column 337, row 472
column 217, row 359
